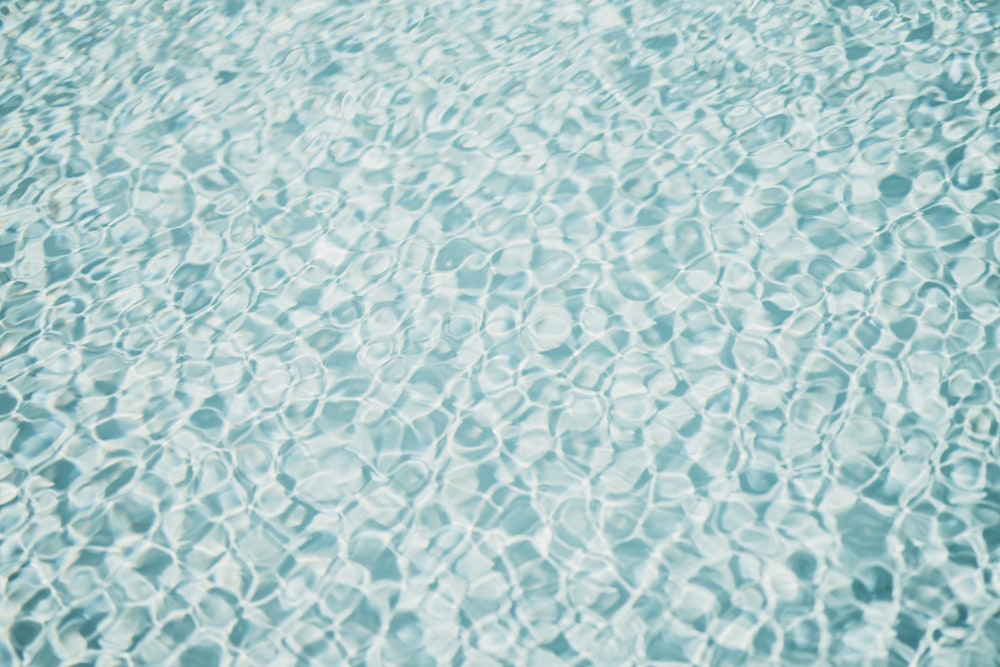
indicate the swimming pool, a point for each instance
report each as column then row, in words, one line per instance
column 535, row 332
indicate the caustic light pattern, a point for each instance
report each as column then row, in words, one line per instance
column 514, row 333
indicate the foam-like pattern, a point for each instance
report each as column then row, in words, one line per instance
column 514, row 333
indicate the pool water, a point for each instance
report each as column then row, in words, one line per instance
column 527, row 333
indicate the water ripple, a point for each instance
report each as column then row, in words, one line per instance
column 555, row 333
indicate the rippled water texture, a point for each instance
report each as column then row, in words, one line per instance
column 522, row 333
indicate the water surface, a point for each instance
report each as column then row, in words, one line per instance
column 527, row 333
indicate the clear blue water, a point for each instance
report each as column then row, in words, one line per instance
column 542, row 333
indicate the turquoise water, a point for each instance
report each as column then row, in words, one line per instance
column 541, row 333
